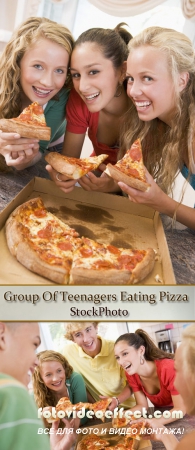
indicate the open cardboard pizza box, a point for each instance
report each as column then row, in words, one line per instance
column 143, row 444
column 107, row 218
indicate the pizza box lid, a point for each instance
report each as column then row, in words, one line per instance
column 104, row 217
column 144, row 444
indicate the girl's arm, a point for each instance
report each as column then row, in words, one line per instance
column 178, row 406
column 161, row 433
column 73, row 144
column 124, row 395
column 161, row 202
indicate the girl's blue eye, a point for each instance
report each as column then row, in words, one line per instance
column 38, row 66
column 59, row 71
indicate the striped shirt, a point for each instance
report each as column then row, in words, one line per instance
column 19, row 421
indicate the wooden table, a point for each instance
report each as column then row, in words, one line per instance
column 181, row 243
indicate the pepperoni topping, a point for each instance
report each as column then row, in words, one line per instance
column 45, row 233
column 86, row 252
column 103, row 265
column 64, row 245
column 132, row 172
column 113, row 249
column 135, row 153
column 40, row 213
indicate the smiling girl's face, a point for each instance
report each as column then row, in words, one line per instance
column 94, row 76
column 53, row 375
column 128, row 357
column 43, row 71
column 150, row 84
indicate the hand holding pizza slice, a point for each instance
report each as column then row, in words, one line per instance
column 29, row 124
column 74, row 168
column 130, row 169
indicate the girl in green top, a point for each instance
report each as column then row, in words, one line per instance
column 54, row 378
column 33, row 68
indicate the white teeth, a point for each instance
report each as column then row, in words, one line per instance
column 89, row 345
column 92, row 96
column 41, row 91
column 129, row 365
column 143, row 103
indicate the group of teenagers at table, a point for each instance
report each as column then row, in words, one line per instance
column 130, row 371
column 115, row 87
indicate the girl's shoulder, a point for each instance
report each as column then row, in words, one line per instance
column 164, row 362
column 187, row 442
column 74, row 376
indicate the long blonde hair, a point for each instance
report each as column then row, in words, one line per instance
column 43, row 395
column 164, row 147
column 31, row 31
column 188, row 358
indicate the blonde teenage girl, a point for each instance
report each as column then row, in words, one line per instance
column 53, row 378
column 161, row 85
column 33, row 68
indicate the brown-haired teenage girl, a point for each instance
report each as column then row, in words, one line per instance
column 149, row 372
column 98, row 101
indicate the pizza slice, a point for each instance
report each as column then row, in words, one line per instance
column 41, row 242
column 97, row 263
column 74, row 168
column 30, row 123
column 65, row 405
column 130, row 169
column 92, row 443
column 119, row 422
column 137, row 431
column 102, row 406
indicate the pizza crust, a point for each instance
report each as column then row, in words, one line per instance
column 25, row 129
column 59, row 163
column 26, row 255
column 118, row 175
column 84, row 276
column 69, row 168
column 144, row 267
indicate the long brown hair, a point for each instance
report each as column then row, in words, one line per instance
column 112, row 43
column 139, row 338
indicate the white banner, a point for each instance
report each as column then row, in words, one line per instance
column 101, row 303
